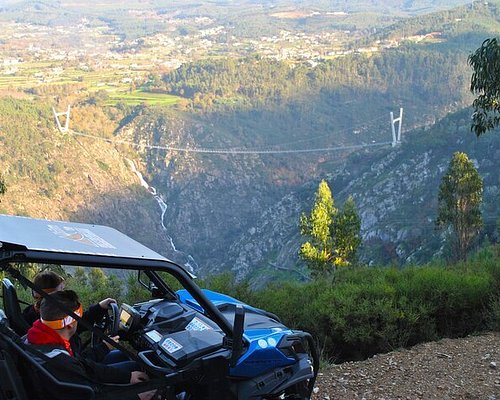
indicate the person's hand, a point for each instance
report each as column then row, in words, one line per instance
column 147, row 395
column 106, row 302
column 138, row 377
column 115, row 339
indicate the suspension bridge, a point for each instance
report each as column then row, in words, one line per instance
column 396, row 140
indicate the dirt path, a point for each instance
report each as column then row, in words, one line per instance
column 467, row 368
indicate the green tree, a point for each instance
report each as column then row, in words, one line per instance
column 79, row 278
column 334, row 236
column 96, row 279
column 113, row 287
column 485, row 83
column 318, row 252
column 459, row 201
column 347, row 234
column 135, row 292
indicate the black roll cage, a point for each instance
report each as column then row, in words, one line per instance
column 18, row 254
column 35, row 358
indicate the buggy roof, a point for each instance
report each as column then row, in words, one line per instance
column 25, row 239
column 73, row 240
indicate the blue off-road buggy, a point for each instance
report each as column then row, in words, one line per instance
column 194, row 344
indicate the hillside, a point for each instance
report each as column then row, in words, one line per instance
column 227, row 211
column 247, row 18
column 56, row 176
column 465, row 368
column 455, row 24
column 238, row 211
column 216, row 207
column 396, row 194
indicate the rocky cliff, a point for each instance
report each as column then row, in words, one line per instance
column 236, row 213
column 241, row 213
column 395, row 190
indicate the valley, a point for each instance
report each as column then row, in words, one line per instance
column 156, row 83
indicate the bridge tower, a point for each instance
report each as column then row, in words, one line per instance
column 396, row 139
column 65, row 128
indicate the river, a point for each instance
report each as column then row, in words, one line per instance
column 179, row 256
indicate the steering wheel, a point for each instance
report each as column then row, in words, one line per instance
column 111, row 320
column 109, row 325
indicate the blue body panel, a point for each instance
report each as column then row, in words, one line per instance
column 262, row 353
column 216, row 298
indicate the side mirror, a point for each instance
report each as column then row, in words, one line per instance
column 149, row 285
column 145, row 281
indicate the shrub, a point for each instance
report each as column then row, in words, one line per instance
column 370, row 310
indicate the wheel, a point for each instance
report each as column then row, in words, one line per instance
column 112, row 320
column 109, row 325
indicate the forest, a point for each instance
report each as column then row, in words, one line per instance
column 260, row 81
column 247, row 96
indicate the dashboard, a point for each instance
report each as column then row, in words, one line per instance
column 168, row 334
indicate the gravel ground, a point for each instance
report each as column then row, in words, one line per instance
column 466, row 368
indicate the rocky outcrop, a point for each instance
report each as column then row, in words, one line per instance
column 396, row 194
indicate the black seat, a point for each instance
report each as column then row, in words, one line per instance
column 11, row 384
column 13, row 309
column 21, row 372
column 24, row 375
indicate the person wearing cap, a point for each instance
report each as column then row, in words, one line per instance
column 52, row 282
column 52, row 333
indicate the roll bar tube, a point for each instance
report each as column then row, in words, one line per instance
column 147, row 265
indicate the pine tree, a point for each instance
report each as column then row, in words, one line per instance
column 459, row 201
column 318, row 252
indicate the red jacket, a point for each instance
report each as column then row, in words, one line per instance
column 41, row 334
column 71, row 369
column 93, row 314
